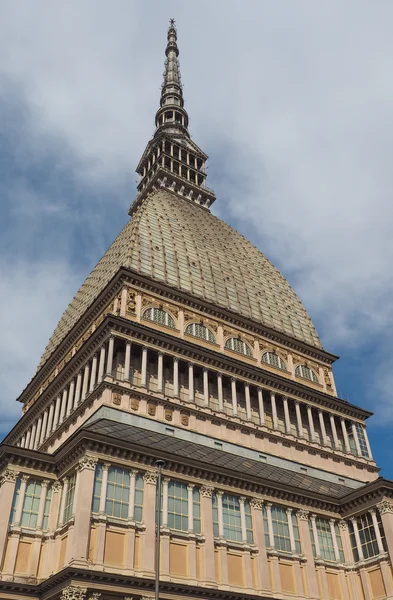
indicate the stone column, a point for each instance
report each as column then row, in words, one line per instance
column 334, row 538
column 149, row 517
column 274, row 410
column 357, row 537
column 270, row 524
column 323, row 428
column 206, row 386
column 190, row 382
column 33, row 435
column 290, row 529
column 54, row 506
column 104, row 488
column 70, row 402
column 127, row 362
column 109, row 362
column 63, row 499
column 78, row 389
column 305, row 542
column 44, row 426
column 315, row 534
column 41, row 507
column 63, row 406
column 377, row 532
column 85, row 381
column 242, row 501
column 386, row 511
column 101, row 365
column 8, row 480
column 346, row 542
column 175, row 377
column 222, row 546
column 160, row 372
column 286, row 415
column 261, row 407
column 38, row 433
column 259, row 540
column 190, row 498
column 144, row 367
column 334, row 431
column 208, row 562
column 165, row 484
column 311, row 423
column 219, row 495
column 299, row 419
column 356, row 438
column 234, row 396
column 93, row 373
column 21, row 498
column 370, row 455
column 219, row 393
column 345, row 435
column 82, row 509
column 248, row 401
column 49, row 428
column 28, row 435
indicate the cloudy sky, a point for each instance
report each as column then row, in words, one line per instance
column 291, row 100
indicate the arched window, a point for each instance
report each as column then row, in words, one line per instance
column 237, row 345
column 307, row 373
column 159, row 316
column 200, row 331
column 274, row 360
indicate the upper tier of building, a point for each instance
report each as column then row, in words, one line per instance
column 176, row 242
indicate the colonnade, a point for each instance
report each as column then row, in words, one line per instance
column 166, row 374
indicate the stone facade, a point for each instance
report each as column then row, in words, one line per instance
column 269, row 486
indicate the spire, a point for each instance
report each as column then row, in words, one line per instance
column 171, row 90
column 171, row 159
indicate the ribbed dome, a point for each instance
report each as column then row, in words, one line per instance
column 176, row 242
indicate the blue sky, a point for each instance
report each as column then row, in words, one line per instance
column 292, row 102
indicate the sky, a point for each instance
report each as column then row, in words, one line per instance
column 292, row 101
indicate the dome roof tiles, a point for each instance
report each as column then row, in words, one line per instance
column 175, row 242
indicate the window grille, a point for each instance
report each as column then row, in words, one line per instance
column 282, row 540
column 200, row 331
column 118, row 493
column 274, row 360
column 237, row 345
column 325, row 540
column 307, row 373
column 31, row 504
column 159, row 316
column 367, row 535
column 231, row 518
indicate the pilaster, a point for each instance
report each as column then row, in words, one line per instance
column 7, row 488
column 82, row 509
column 208, row 561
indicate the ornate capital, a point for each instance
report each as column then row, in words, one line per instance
column 147, row 598
column 87, row 462
column 206, row 491
column 150, row 477
column 95, row 596
column 45, row 483
column 302, row 514
column 9, row 476
column 385, row 506
column 25, row 478
column 343, row 525
column 56, row 487
column 73, row 592
column 256, row 503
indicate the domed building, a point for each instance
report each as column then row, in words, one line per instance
column 182, row 436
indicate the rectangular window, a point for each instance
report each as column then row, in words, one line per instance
column 95, row 507
column 177, row 506
column 282, row 540
column 118, row 492
column 362, row 440
column 368, row 538
column 31, row 504
column 325, row 540
column 69, row 501
column 231, row 518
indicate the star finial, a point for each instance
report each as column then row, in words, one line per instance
column 172, row 22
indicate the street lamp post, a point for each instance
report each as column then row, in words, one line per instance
column 159, row 464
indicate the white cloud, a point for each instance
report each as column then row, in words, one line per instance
column 292, row 100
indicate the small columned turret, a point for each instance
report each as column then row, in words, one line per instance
column 171, row 159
